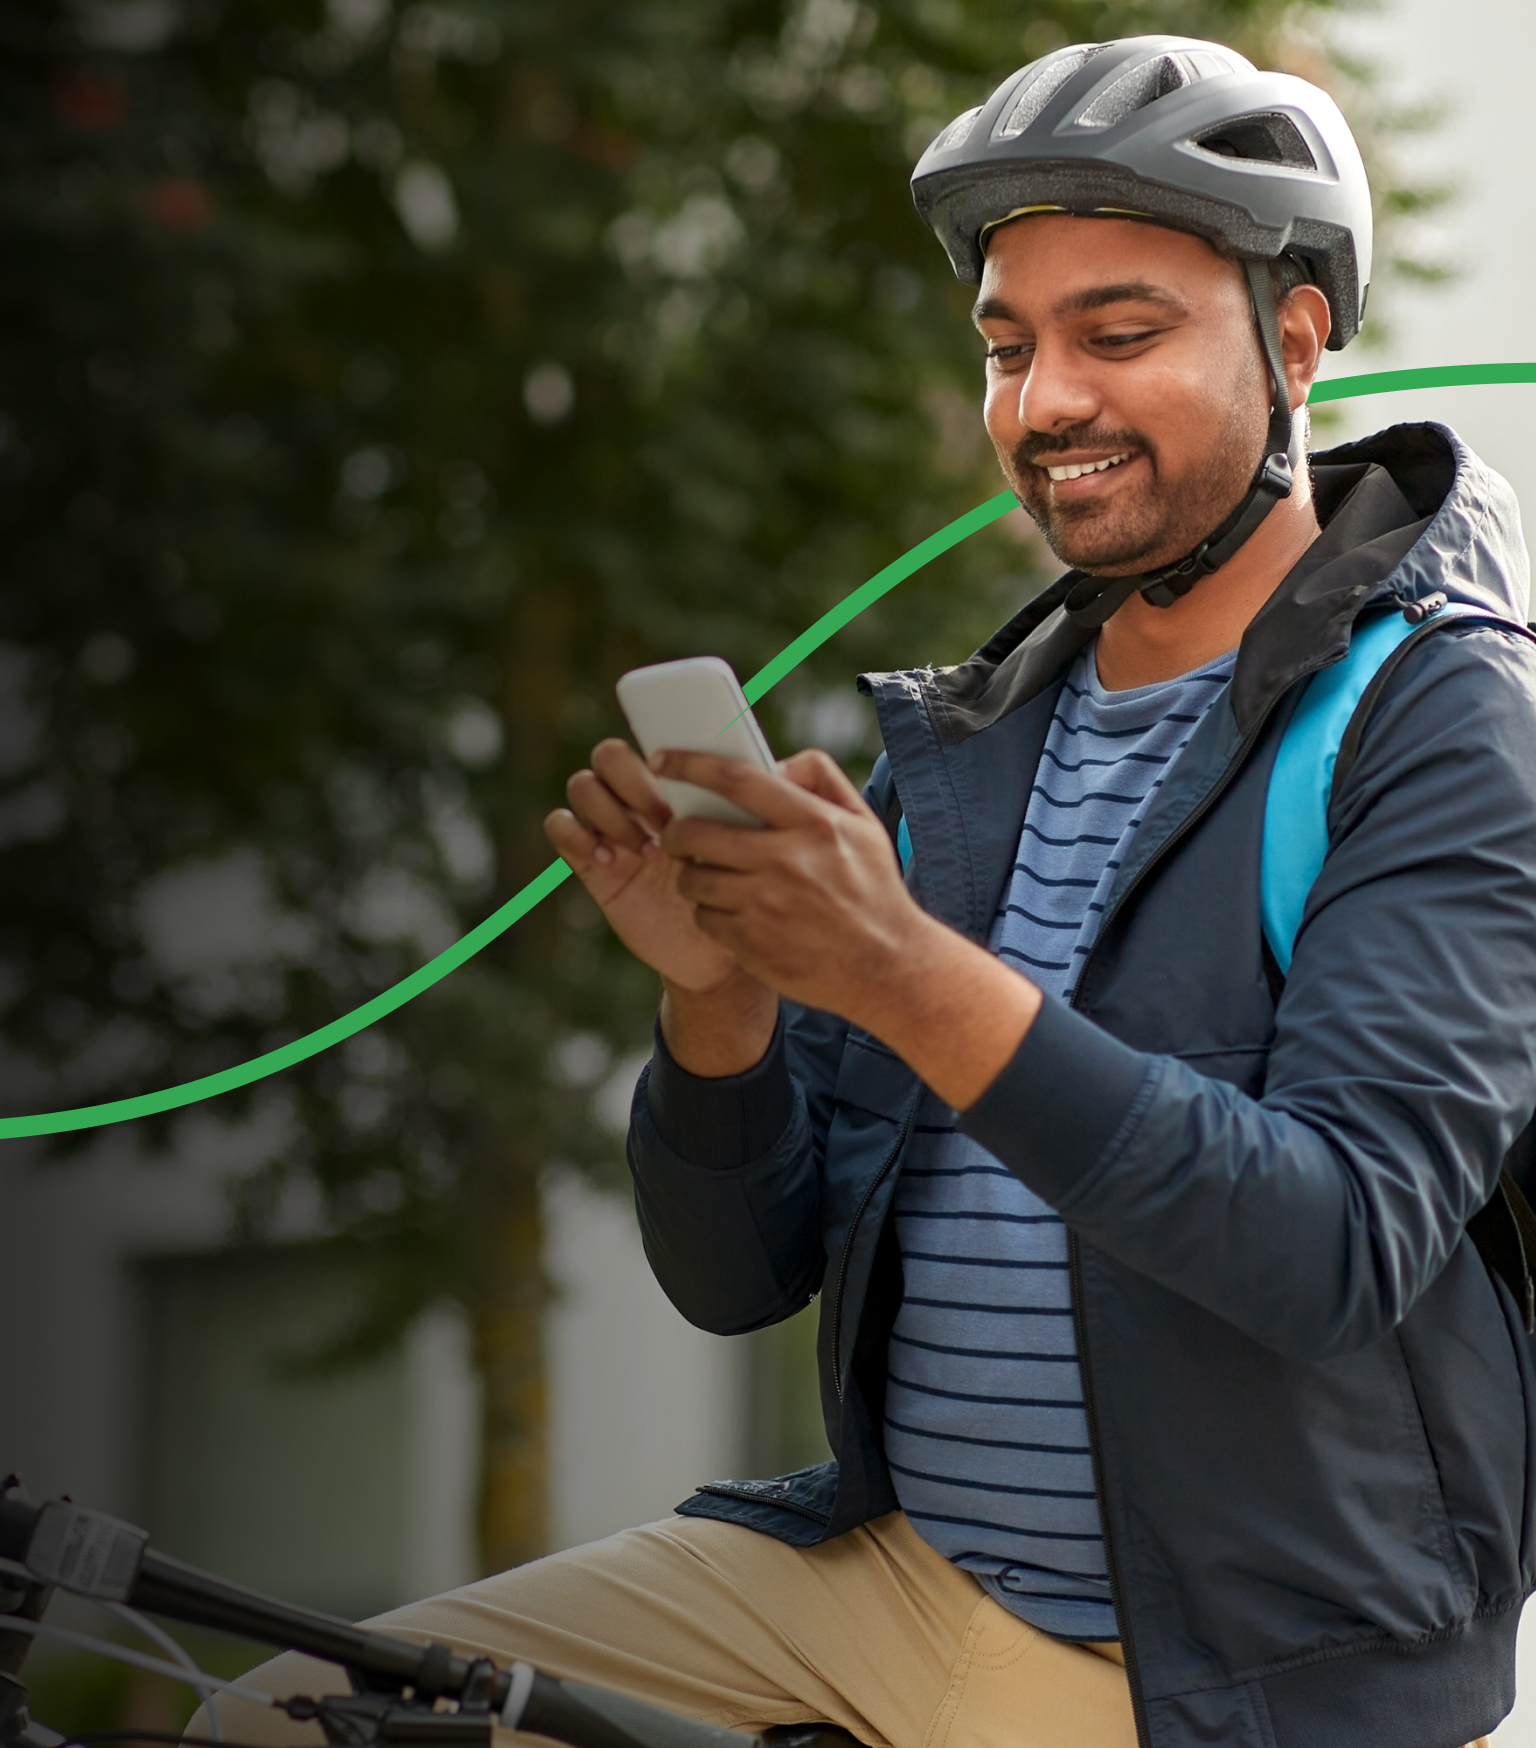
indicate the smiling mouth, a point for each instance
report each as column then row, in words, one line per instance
column 1076, row 469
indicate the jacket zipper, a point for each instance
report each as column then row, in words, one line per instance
column 723, row 1490
column 853, row 1226
column 1074, row 1263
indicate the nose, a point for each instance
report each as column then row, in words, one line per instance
column 1056, row 392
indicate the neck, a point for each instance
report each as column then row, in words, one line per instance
column 1143, row 644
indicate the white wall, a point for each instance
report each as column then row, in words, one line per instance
column 644, row 1406
column 1476, row 59
column 71, row 1365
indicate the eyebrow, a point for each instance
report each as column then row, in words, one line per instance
column 1094, row 297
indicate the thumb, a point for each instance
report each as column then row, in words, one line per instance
column 821, row 775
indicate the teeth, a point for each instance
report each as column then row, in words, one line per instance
column 1076, row 470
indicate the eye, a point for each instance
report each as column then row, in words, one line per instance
column 1000, row 354
column 1134, row 338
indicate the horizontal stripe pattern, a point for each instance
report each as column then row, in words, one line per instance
column 985, row 1428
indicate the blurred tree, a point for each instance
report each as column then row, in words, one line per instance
column 376, row 386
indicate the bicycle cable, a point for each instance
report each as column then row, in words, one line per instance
column 173, row 1648
column 14, row 1623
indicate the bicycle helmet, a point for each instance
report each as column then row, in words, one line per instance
column 1182, row 133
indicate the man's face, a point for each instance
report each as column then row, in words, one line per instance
column 1130, row 351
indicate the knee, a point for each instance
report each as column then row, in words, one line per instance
column 244, row 1720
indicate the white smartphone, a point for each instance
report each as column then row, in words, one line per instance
column 696, row 705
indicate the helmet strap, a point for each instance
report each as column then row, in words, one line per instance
column 1092, row 600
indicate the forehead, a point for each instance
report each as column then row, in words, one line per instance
column 1047, row 260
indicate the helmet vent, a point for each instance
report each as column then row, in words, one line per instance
column 1134, row 90
column 957, row 130
column 1039, row 85
column 1261, row 139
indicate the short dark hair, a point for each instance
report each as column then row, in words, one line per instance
column 1286, row 272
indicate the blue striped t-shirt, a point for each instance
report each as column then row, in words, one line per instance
column 985, row 1429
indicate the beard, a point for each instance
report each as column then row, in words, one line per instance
column 1152, row 521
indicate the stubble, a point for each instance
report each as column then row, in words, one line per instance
column 1156, row 517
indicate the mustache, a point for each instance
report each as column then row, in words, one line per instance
column 1027, row 453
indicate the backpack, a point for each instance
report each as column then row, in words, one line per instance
column 1319, row 746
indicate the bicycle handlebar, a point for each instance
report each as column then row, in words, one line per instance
column 94, row 1555
column 62, row 1544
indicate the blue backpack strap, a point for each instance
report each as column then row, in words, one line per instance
column 880, row 793
column 1301, row 783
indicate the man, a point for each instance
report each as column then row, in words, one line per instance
column 1170, row 1400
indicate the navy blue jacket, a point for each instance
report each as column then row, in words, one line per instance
column 1311, row 1404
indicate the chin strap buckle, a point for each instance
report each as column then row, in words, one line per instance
column 1276, row 476
column 1273, row 482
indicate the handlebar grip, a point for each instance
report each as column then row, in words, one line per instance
column 591, row 1717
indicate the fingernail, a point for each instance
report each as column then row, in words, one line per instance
column 656, row 761
column 602, row 855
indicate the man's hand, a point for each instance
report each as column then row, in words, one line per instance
column 815, row 907
column 611, row 836
column 717, row 1020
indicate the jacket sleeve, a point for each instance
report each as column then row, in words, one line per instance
column 1404, row 1061
column 728, row 1172
column 727, row 1176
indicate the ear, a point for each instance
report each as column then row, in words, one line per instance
column 1305, row 325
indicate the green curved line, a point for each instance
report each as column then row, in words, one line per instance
column 259, row 1067
column 1385, row 382
column 537, row 889
column 301, row 1049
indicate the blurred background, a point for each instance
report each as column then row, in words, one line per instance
column 377, row 383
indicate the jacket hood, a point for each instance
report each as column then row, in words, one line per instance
column 1473, row 548
column 1406, row 513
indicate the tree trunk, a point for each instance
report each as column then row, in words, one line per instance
column 508, row 1318
column 511, row 1292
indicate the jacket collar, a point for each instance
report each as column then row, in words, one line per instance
column 1368, row 527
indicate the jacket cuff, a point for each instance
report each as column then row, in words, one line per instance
column 722, row 1123
column 1068, row 1092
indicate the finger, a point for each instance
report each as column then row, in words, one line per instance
column 821, row 774
column 774, row 799
column 713, row 889
column 628, row 776
column 696, row 839
column 584, row 851
column 601, row 811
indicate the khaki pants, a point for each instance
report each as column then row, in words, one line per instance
column 873, row 1631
